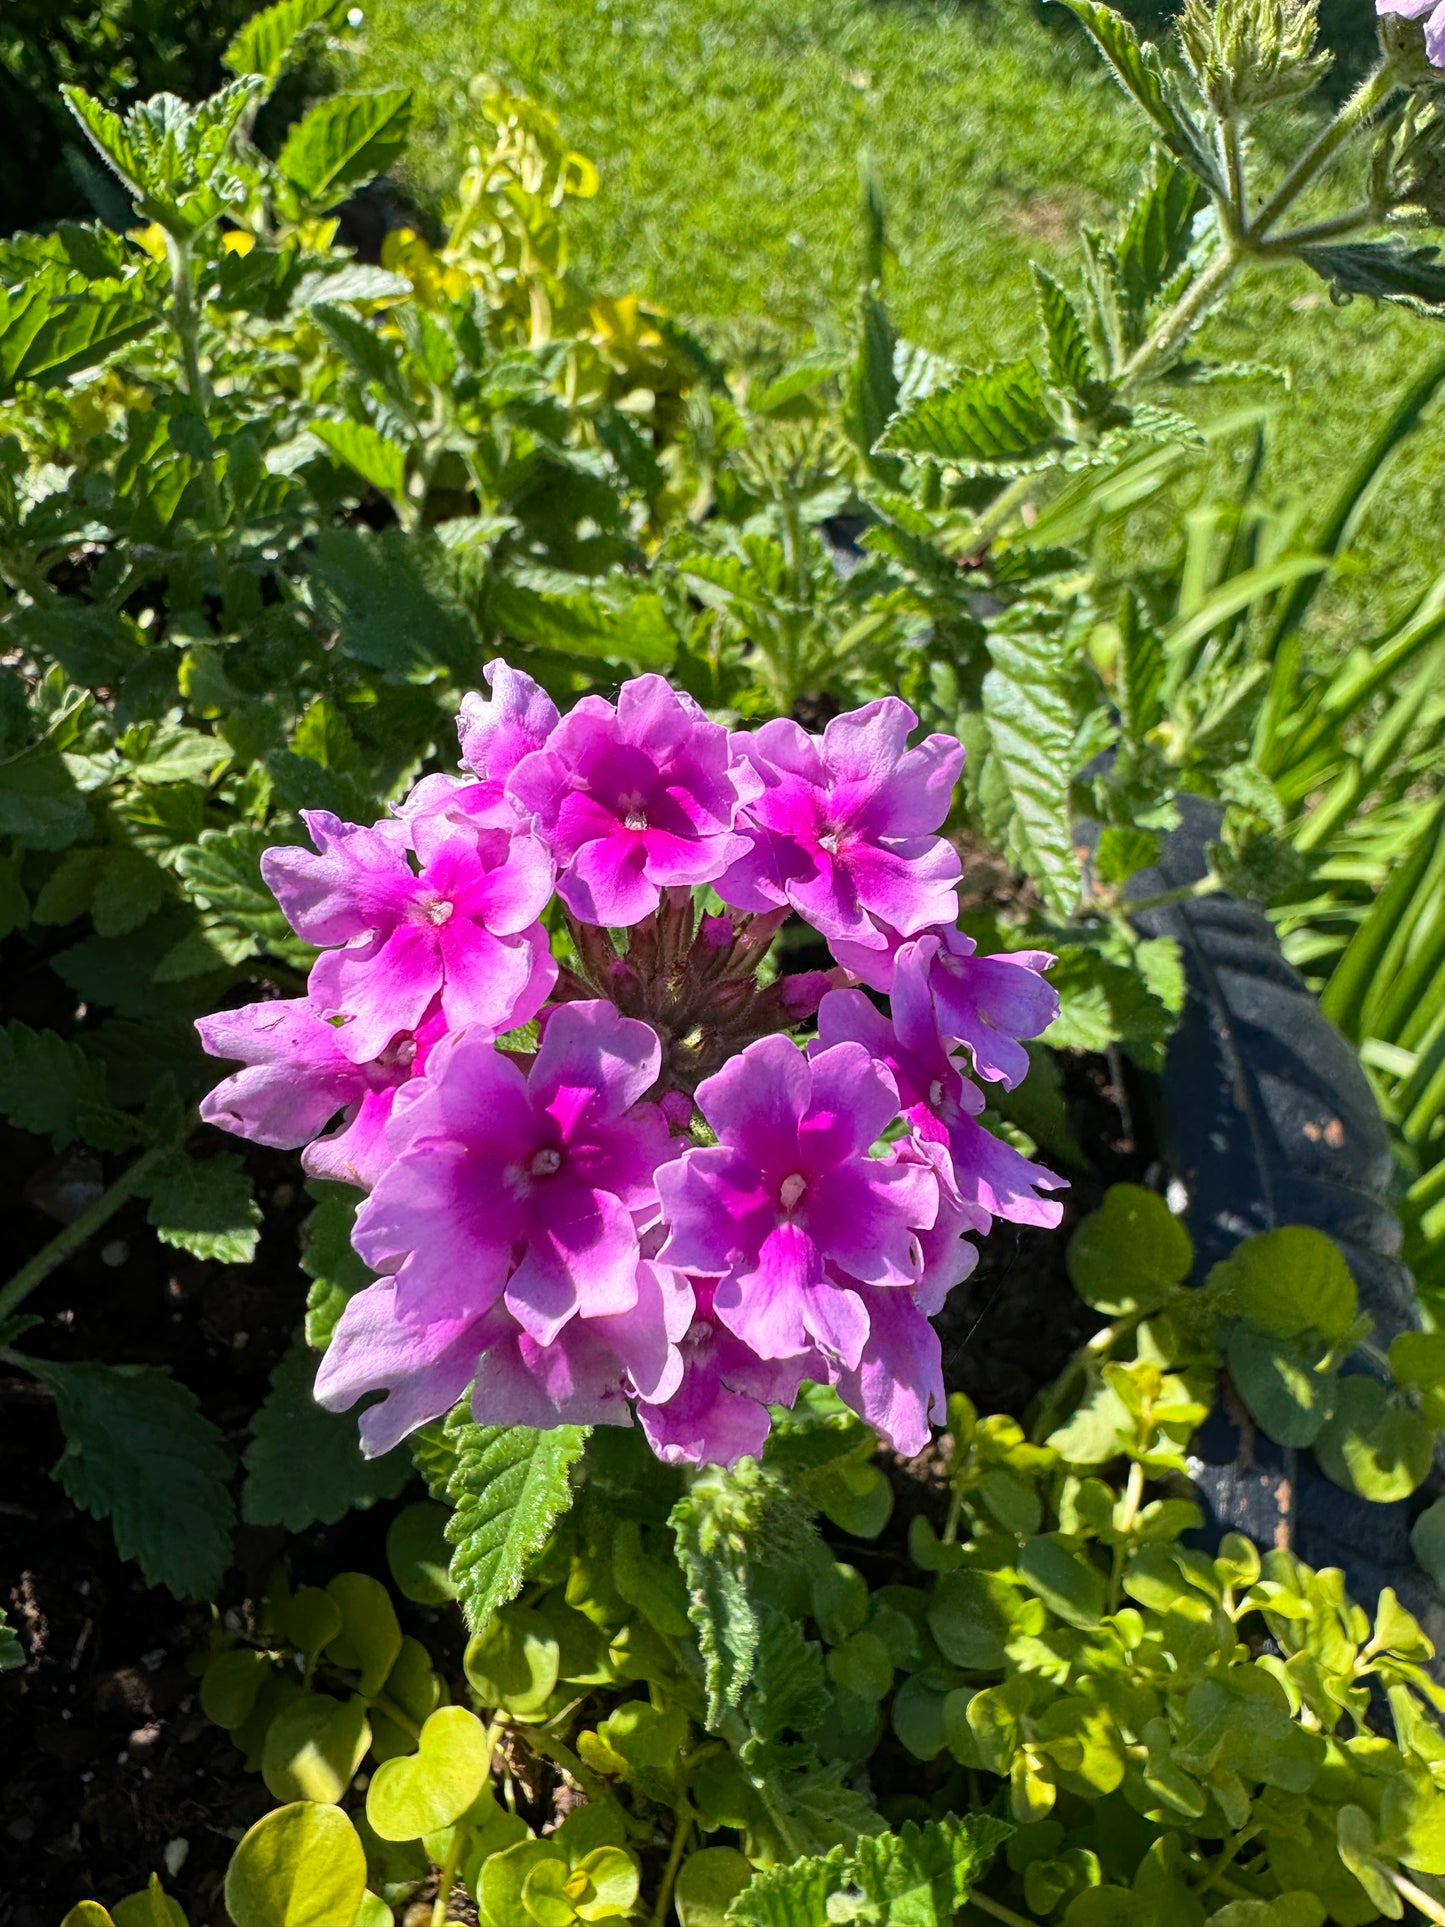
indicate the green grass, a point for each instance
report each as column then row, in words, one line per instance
column 729, row 134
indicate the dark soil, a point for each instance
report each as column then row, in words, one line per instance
column 111, row 1771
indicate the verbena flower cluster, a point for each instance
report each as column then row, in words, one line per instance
column 663, row 1205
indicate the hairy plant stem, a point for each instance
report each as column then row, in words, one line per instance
column 185, row 326
column 74, row 1235
column 1372, row 91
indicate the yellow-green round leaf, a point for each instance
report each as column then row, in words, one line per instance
column 1374, row 1444
column 1283, row 1282
column 301, row 1866
column 418, row 1554
column 1127, row 1255
column 374, row 1912
column 230, row 1684
column 424, row 1791
column 152, row 1908
column 513, row 1663
column 370, row 1637
column 311, row 1619
column 707, row 1882
column 87, row 1913
column 313, row 1748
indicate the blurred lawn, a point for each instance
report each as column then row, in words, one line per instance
column 728, row 134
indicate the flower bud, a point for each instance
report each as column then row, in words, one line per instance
column 1244, row 53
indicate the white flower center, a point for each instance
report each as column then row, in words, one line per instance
column 437, row 910
column 829, row 841
column 935, row 1093
column 791, row 1189
column 546, row 1164
column 635, row 820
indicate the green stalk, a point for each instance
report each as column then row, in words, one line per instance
column 998, row 1910
column 75, row 1234
column 185, row 325
column 1370, row 94
column 680, row 1836
column 447, row 1878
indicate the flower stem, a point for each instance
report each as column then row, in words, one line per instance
column 1374, row 89
column 75, row 1234
column 1418, row 1898
column 1184, row 317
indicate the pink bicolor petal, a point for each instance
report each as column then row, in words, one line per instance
column 764, row 1304
column 707, row 1426
column 357, row 1153
column 581, row 1249
column 897, row 1384
column 757, row 1098
column 992, row 1174
column 496, row 734
column 359, row 880
column 377, row 988
column 578, row 1380
column 295, row 1080
column 1408, row 9
column 593, row 1063
column 495, row 983
column 607, row 882
column 990, row 1003
column 905, row 792
column 853, row 1100
column 423, row 1368
column 1435, row 37
column 873, row 1227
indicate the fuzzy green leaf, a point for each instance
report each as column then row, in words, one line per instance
column 1141, row 73
column 510, row 1487
column 582, row 624
column 205, row 1206
column 1071, row 364
column 343, row 141
column 304, row 1465
column 375, row 459
column 1030, row 733
column 139, row 1452
column 269, row 41
column 1154, row 239
column 725, row 1526
column 1383, row 270
column 992, row 422
column 47, row 1085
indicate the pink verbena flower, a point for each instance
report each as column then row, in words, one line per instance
column 462, row 926
column 525, row 1188
column 296, row 1079
column 843, row 828
column 790, row 1192
column 939, row 1103
column 987, row 1003
column 632, row 800
column 718, row 1411
column 1434, row 23
column 584, row 1377
column 497, row 733
column 897, row 1384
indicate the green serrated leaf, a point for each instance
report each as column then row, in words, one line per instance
column 1154, row 239
column 48, row 1085
column 205, row 1206
column 793, row 1896
column 582, row 624
column 360, row 446
column 993, row 422
column 1030, row 725
column 139, row 1452
column 726, row 1524
column 1384, row 271
column 343, row 141
column 304, row 1465
column 1141, row 73
column 12, row 1653
column 270, row 40
column 510, row 1486
column 1071, row 365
